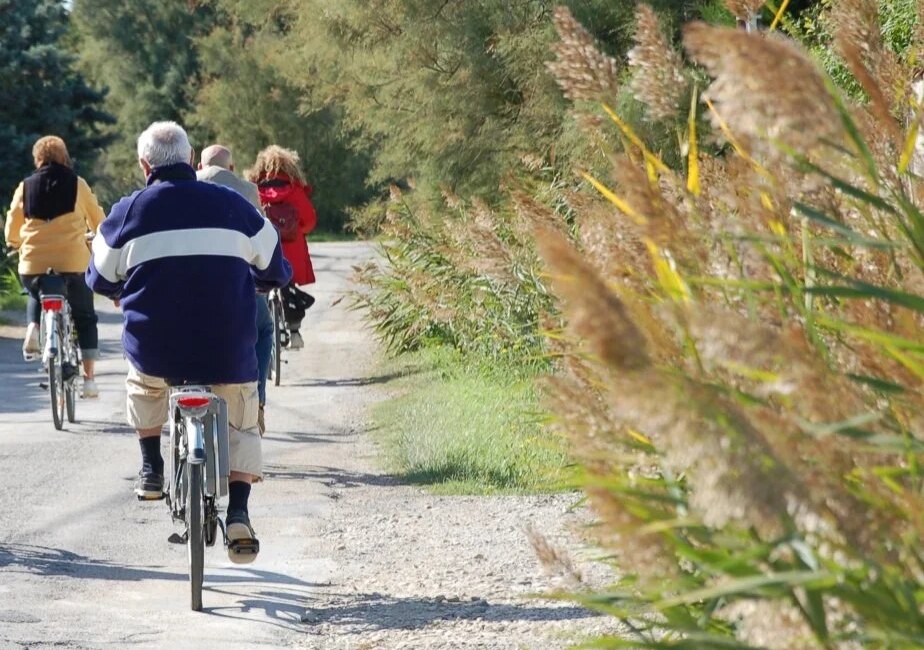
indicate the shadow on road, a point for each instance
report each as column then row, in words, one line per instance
column 349, row 382
column 333, row 477
column 47, row 561
column 381, row 612
column 284, row 609
column 19, row 381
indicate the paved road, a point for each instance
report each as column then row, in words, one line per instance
column 85, row 565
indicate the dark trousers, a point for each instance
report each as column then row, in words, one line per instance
column 295, row 303
column 79, row 297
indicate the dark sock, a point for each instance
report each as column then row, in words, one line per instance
column 238, row 495
column 151, row 460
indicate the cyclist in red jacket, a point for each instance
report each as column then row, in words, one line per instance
column 286, row 199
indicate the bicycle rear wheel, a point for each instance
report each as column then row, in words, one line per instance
column 195, row 529
column 277, row 342
column 56, row 392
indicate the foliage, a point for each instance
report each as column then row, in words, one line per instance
column 464, row 428
column 449, row 94
column 218, row 71
column 246, row 103
column 145, row 53
column 464, row 279
column 742, row 381
column 42, row 92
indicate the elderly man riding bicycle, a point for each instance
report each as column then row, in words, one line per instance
column 184, row 258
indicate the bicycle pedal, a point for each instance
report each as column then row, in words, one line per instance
column 176, row 538
column 244, row 547
column 146, row 497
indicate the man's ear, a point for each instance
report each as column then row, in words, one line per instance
column 231, row 167
column 199, row 166
column 145, row 167
column 192, row 157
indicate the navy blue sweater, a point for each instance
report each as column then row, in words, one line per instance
column 184, row 257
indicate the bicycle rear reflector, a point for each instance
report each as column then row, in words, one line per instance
column 52, row 304
column 193, row 402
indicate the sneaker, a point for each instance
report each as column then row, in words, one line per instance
column 90, row 389
column 261, row 422
column 30, row 347
column 243, row 545
column 295, row 341
column 150, row 486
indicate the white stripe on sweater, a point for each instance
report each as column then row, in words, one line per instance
column 113, row 263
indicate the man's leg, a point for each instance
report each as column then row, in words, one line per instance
column 246, row 461
column 264, row 353
column 147, row 406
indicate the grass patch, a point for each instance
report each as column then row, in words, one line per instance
column 466, row 429
column 319, row 236
column 12, row 302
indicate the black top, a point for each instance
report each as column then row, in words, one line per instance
column 50, row 192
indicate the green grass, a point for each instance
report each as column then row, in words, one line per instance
column 319, row 236
column 466, row 430
column 12, row 302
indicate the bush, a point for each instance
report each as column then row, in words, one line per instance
column 462, row 276
column 742, row 381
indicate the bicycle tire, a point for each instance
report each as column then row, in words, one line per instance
column 70, row 387
column 54, row 387
column 195, row 529
column 70, row 400
column 277, row 343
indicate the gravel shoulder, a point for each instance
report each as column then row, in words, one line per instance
column 410, row 569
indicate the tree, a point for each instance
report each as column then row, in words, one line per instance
column 449, row 93
column 246, row 103
column 147, row 55
column 41, row 92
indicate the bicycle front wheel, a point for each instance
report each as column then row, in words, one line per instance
column 195, row 542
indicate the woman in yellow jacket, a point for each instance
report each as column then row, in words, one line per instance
column 52, row 212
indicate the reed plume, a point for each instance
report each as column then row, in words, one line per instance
column 658, row 79
column 767, row 90
column 582, row 71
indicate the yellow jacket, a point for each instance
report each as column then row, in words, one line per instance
column 58, row 244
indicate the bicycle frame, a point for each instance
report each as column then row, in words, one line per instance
column 60, row 356
column 200, row 469
column 54, row 306
column 199, row 431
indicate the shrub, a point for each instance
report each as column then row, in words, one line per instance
column 742, row 380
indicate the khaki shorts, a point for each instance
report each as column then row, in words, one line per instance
column 148, row 403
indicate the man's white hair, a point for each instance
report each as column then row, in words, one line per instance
column 164, row 143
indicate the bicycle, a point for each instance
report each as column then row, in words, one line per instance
column 200, row 465
column 60, row 351
column 280, row 335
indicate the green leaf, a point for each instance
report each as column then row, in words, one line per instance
column 864, row 291
column 750, row 586
column 878, row 383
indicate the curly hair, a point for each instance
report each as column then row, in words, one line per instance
column 273, row 161
column 50, row 149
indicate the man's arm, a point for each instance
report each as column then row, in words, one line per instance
column 268, row 266
column 104, row 275
column 14, row 220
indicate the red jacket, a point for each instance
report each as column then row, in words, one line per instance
column 299, row 196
